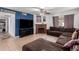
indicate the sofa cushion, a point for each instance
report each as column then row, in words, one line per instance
column 63, row 39
column 67, row 34
column 54, row 33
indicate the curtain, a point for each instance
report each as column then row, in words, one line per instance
column 69, row 21
column 55, row 21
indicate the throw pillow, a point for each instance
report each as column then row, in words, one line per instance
column 74, row 35
column 70, row 44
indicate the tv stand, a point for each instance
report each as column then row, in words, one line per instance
column 25, row 31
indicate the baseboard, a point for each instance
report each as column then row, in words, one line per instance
column 17, row 37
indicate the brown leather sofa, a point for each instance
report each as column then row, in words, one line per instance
column 55, row 31
column 64, row 37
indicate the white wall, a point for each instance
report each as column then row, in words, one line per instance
column 34, row 22
column 49, row 21
column 12, row 25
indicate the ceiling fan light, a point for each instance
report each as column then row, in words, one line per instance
column 36, row 9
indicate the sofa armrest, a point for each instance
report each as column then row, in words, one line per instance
column 48, row 30
column 75, row 48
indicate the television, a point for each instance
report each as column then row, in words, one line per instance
column 25, row 23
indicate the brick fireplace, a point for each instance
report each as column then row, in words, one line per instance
column 40, row 28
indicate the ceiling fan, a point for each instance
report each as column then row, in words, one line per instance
column 43, row 11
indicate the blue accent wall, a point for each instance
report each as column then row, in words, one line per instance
column 19, row 15
column 17, row 25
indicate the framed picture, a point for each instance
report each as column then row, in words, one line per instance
column 38, row 19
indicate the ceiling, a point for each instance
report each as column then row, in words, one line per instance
column 38, row 10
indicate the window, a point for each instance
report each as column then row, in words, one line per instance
column 61, row 21
column 38, row 19
column 58, row 21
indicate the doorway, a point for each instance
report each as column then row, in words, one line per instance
column 4, row 26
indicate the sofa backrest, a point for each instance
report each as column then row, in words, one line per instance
column 71, row 30
column 56, row 29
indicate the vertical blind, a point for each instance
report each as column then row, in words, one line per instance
column 69, row 21
column 55, row 21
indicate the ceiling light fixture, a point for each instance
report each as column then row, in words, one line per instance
column 35, row 9
column 42, row 7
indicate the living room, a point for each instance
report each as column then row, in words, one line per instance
column 39, row 29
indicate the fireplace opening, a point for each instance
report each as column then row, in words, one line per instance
column 41, row 30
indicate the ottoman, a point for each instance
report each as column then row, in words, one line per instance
column 40, row 45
